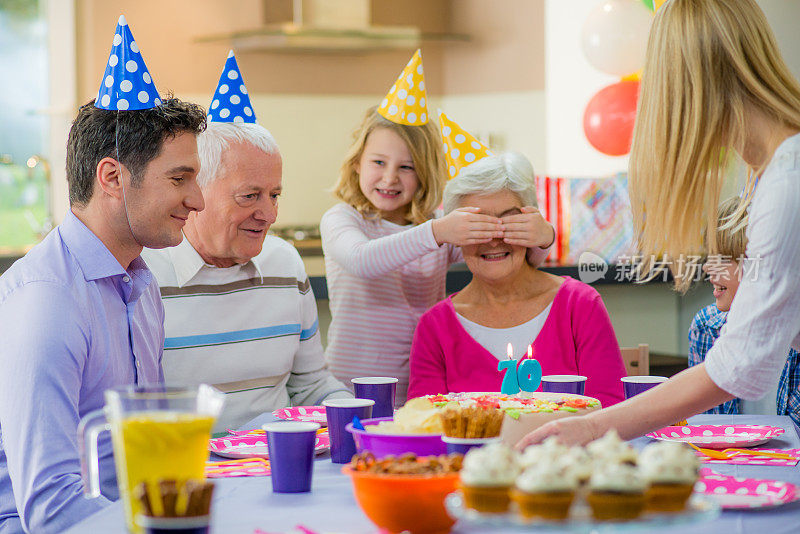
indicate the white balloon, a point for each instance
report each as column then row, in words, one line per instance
column 614, row 36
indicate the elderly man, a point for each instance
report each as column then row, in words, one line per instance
column 80, row 313
column 240, row 313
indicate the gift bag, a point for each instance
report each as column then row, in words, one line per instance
column 600, row 219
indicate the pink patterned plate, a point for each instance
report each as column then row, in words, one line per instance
column 255, row 446
column 742, row 493
column 718, row 436
column 306, row 414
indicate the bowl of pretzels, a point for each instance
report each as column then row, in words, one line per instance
column 405, row 493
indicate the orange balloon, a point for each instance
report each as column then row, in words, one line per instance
column 657, row 4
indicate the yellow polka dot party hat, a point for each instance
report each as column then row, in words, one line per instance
column 460, row 147
column 407, row 103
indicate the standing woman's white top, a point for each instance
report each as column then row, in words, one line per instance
column 764, row 319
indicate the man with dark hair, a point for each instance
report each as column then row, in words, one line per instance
column 81, row 313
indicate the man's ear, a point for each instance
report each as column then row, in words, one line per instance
column 109, row 177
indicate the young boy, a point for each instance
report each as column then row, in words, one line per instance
column 725, row 273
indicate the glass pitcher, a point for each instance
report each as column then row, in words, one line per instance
column 158, row 433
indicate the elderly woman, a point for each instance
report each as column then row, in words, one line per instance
column 458, row 342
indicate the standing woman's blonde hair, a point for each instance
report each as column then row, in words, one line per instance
column 709, row 63
column 424, row 143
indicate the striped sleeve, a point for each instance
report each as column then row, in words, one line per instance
column 344, row 240
column 537, row 255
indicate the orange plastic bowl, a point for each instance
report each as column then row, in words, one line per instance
column 400, row 503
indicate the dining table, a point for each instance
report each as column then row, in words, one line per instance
column 247, row 505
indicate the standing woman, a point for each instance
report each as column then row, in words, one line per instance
column 714, row 81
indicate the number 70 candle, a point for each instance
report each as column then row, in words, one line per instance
column 526, row 376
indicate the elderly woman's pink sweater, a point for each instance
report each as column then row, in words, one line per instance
column 576, row 338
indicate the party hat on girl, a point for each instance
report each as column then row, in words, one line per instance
column 126, row 84
column 461, row 148
column 231, row 102
column 407, row 102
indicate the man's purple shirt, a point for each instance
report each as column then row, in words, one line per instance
column 73, row 323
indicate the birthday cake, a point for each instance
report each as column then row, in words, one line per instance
column 523, row 412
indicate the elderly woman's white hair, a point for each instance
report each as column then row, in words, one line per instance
column 219, row 136
column 509, row 171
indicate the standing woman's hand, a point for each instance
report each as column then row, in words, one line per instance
column 528, row 229
column 465, row 226
column 569, row 431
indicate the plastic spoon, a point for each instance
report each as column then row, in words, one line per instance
column 730, row 453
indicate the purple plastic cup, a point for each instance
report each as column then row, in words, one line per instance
column 634, row 385
column 462, row 445
column 381, row 389
column 340, row 412
column 291, row 455
column 564, row 384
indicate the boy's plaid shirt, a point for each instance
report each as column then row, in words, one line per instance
column 706, row 328
column 789, row 388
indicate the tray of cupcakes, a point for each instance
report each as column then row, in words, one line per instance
column 606, row 484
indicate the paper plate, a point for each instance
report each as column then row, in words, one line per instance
column 718, row 436
column 738, row 493
column 306, row 414
column 255, row 446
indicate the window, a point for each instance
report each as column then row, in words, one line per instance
column 24, row 168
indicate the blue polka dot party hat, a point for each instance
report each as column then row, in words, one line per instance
column 126, row 84
column 231, row 103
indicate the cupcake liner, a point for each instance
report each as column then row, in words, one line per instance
column 615, row 505
column 668, row 497
column 544, row 505
column 487, row 499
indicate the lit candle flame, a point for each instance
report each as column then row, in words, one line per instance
column 530, row 351
column 510, row 352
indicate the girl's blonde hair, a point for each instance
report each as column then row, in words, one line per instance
column 424, row 143
column 708, row 62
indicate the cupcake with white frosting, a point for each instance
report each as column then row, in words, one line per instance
column 487, row 476
column 616, row 491
column 550, row 450
column 577, row 460
column 545, row 491
column 611, row 449
column 671, row 469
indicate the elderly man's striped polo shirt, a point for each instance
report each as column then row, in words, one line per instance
column 251, row 330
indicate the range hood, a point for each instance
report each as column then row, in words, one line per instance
column 326, row 26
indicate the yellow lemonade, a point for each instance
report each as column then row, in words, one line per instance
column 154, row 446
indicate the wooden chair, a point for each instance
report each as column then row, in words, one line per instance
column 637, row 360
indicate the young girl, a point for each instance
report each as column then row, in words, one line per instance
column 386, row 257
